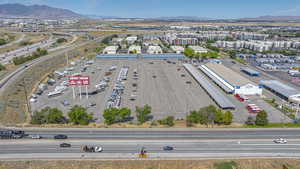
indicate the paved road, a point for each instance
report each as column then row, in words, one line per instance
column 12, row 76
column 122, row 149
column 183, row 134
column 14, row 42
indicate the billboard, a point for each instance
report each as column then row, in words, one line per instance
column 79, row 80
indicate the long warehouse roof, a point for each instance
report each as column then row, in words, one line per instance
column 218, row 80
column 216, row 94
column 228, row 75
column 280, row 88
column 250, row 71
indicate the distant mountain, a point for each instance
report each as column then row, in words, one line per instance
column 273, row 18
column 101, row 17
column 186, row 18
column 35, row 11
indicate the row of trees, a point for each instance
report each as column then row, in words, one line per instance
column 38, row 53
column 77, row 115
column 190, row 53
column 209, row 115
column 260, row 120
column 3, row 41
column 115, row 115
column 2, row 67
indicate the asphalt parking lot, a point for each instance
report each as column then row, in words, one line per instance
column 166, row 87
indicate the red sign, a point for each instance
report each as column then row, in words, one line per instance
column 79, row 80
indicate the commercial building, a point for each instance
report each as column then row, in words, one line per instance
column 198, row 49
column 221, row 100
column 229, row 80
column 110, row 50
column 249, row 71
column 131, row 39
column 134, row 49
column 178, row 49
column 154, row 50
column 282, row 90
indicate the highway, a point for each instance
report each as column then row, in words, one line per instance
column 124, row 149
column 190, row 134
column 12, row 76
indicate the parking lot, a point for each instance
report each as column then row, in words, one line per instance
column 163, row 84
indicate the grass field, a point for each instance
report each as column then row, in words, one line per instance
column 149, row 164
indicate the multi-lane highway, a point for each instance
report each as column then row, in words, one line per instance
column 127, row 143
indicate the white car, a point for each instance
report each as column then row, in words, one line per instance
column 36, row 137
column 280, row 141
column 98, row 149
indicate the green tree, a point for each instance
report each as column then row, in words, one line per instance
column 2, row 67
column 219, row 117
column 262, row 118
column 143, row 113
column 232, row 54
column 2, row 41
column 79, row 116
column 38, row 117
column 55, row 116
column 297, row 34
column 124, row 114
column 169, row 121
column 110, row 115
column 188, row 52
column 61, row 40
column 228, row 117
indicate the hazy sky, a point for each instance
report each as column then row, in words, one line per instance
column 156, row 8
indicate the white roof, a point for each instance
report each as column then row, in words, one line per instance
column 177, row 48
column 111, row 48
column 135, row 47
column 197, row 48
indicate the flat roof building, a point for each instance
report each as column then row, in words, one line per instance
column 110, row 50
column 249, row 71
column 154, row 50
column 231, row 80
column 198, row 49
column 282, row 90
column 178, row 49
column 134, row 49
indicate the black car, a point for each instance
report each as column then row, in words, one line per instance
column 168, row 148
column 60, row 136
column 65, row 145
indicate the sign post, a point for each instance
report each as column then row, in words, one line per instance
column 80, row 81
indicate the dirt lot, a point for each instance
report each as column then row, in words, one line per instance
column 141, row 164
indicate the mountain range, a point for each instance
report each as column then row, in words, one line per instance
column 44, row 11
column 35, row 11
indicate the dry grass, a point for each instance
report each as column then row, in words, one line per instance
column 148, row 164
column 178, row 124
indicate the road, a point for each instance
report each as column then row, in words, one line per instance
column 7, row 57
column 127, row 143
column 154, row 134
column 12, row 76
column 14, row 42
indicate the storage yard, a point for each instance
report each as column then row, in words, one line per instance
column 163, row 84
column 170, row 86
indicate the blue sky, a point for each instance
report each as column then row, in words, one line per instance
column 157, row 8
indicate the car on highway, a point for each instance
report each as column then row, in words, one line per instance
column 36, row 137
column 168, row 148
column 280, row 141
column 65, row 145
column 98, row 149
column 60, row 136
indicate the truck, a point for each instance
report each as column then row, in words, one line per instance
column 92, row 149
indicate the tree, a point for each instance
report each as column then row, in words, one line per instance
column 78, row 115
column 250, row 120
column 143, row 113
column 2, row 67
column 228, row 116
column 169, row 121
column 55, row 116
column 2, row 41
column 61, row 40
column 262, row 118
column 219, row 117
column 114, row 115
column 39, row 117
column 188, row 52
column 232, row 54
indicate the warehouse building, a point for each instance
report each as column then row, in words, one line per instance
column 282, row 90
column 230, row 81
column 178, row 49
column 134, row 49
column 154, row 50
column 249, row 71
column 198, row 49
